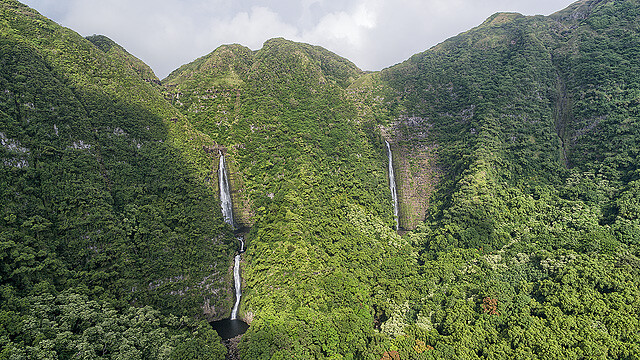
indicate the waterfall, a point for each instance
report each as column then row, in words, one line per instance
column 392, row 185
column 237, row 281
column 241, row 244
column 227, row 212
column 225, row 194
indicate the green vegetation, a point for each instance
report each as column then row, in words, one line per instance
column 109, row 47
column 518, row 139
column 106, row 208
column 526, row 251
column 321, row 246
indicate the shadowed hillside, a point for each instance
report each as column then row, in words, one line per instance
column 106, row 211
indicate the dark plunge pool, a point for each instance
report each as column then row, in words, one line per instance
column 228, row 328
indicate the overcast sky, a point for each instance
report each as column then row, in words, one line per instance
column 374, row 34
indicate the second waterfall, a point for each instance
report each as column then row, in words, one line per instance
column 392, row 185
column 227, row 212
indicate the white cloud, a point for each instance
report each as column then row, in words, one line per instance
column 346, row 28
column 252, row 28
column 372, row 33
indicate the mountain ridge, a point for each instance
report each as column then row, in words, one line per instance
column 516, row 157
column 87, row 218
column 109, row 46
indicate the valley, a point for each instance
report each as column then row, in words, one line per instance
column 477, row 201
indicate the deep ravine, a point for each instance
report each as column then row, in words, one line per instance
column 392, row 185
column 227, row 212
column 231, row 329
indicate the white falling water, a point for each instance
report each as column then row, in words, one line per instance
column 227, row 212
column 225, row 194
column 236, row 279
column 392, row 185
column 241, row 244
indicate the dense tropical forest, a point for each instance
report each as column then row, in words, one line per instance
column 515, row 149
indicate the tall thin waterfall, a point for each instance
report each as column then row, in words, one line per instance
column 225, row 194
column 392, row 185
column 227, row 212
column 237, row 282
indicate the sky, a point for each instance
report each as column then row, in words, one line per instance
column 374, row 34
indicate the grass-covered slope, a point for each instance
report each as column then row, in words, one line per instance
column 105, row 207
column 309, row 177
column 530, row 245
column 108, row 46
column 515, row 147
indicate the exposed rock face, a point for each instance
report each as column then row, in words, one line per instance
column 210, row 311
column 417, row 176
column 417, row 173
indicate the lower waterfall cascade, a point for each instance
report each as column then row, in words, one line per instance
column 237, row 280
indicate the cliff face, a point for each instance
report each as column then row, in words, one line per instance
column 246, row 99
column 418, row 171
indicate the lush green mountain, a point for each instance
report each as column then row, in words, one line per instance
column 529, row 248
column 308, row 176
column 516, row 154
column 523, row 105
column 505, row 167
column 106, row 207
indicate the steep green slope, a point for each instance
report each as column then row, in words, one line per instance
column 528, row 104
column 309, row 178
column 515, row 147
column 108, row 46
column 105, row 204
column 484, row 99
column 530, row 245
